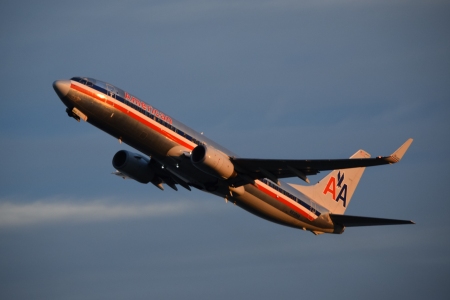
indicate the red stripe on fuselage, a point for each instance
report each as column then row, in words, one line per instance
column 262, row 188
column 128, row 111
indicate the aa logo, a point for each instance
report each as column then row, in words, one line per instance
column 332, row 188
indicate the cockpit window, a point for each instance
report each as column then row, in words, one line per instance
column 84, row 80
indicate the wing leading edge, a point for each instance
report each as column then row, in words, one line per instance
column 283, row 168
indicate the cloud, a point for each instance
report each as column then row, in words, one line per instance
column 44, row 211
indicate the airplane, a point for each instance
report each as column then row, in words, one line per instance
column 176, row 155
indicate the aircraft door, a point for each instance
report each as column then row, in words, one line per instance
column 313, row 207
column 111, row 91
column 106, row 111
column 122, row 124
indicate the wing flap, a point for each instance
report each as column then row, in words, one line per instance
column 355, row 221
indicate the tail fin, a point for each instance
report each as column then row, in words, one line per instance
column 335, row 191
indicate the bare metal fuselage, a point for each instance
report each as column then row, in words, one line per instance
column 145, row 132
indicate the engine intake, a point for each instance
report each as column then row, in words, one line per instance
column 133, row 165
column 212, row 162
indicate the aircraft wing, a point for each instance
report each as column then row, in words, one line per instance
column 273, row 169
column 355, row 221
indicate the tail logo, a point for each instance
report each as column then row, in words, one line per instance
column 332, row 187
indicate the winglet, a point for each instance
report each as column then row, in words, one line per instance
column 398, row 154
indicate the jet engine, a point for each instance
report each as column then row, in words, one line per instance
column 212, row 162
column 133, row 165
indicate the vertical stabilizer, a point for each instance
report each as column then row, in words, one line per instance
column 335, row 191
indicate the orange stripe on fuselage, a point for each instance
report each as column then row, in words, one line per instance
column 136, row 116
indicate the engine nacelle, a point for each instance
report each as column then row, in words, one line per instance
column 212, row 162
column 133, row 165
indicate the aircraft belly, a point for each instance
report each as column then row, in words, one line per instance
column 254, row 202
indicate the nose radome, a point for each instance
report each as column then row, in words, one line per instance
column 61, row 87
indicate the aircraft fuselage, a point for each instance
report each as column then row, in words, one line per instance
column 184, row 157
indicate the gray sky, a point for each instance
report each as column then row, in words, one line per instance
column 266, row 79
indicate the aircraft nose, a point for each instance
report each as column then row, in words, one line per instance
column 61, row 87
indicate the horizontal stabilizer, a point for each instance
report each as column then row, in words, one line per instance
column 354, row 221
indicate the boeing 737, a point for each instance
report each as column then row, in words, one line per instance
column 175, row 155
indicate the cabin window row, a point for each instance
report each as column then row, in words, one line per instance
column 279, row 189
column 153, row 117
